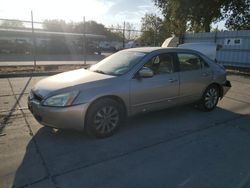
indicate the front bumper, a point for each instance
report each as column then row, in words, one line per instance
column 226, row 86
column 59, row 117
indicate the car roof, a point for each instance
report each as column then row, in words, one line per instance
column 163, row 49
column 143, row 49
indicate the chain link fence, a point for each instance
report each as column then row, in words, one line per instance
column 33, row 43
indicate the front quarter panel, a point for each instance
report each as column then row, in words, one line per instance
column 117, row 87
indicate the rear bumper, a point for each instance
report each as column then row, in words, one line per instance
column 226, row 86
column 62, row 118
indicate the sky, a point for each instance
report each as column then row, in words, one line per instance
column 107, row 12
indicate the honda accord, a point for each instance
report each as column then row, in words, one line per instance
column 126, row 83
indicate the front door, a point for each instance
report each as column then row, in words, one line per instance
column 159, row 91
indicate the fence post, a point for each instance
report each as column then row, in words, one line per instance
column 215, row 36
column 84, row 40
column 34, row 40
column 154, row 37
column 182, row 38
column 123, row 34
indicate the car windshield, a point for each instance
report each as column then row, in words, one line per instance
column 118, row 63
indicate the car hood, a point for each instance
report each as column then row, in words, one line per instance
column 67, row 79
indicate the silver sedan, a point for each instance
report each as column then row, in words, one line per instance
column 126, row 83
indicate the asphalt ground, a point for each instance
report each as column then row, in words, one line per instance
column 177, row 147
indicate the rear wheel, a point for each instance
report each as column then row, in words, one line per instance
column 210, row 98
column 104, row 118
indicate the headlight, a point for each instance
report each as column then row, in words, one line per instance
column 31, row 95
column 64, row 99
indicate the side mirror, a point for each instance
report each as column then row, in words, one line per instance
column 146, row 72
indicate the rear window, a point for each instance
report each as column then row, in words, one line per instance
column 189, row 62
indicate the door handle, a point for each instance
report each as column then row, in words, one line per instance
column 171, row 80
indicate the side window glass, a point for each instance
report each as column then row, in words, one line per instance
column 161, row 64
column 189, row 62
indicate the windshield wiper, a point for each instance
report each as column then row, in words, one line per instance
column 99, row 71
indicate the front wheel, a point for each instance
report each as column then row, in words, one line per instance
column 210, row 98
column 104, row 118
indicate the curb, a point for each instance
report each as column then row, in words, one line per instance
column 47, row 71
column 28, row 74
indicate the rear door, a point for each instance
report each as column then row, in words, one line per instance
column 159, row 91
column 195, row 75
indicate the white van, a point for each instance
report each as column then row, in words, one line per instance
column 207, row 48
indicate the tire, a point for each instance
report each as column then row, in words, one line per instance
column 104, row 118
column 210, row 98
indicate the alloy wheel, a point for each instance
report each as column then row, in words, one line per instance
column 106, row 119
column 211, row 98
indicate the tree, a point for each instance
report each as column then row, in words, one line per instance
column 90, row 27
column 175, row 14
column 62, row 45
column 116, row 33
column 203, row 13
column 190, row 14
column 198, row 15
column 151, row 28
column 130, row 33
column 238, row 14
column 58, row 26
column 12, row 24
column 78, row 27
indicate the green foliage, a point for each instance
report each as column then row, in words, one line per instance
column 198, row 15
column 175, row 14
column 91, row 27
column 238, row 15
column 58, row 45
column 130, row 33
column 154, row 30
column 194, row 15
column 58, row 26
column 115, row 32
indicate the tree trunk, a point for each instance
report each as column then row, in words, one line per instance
column 207, row 25
column 207, row 28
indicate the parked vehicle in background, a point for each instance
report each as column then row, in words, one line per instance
column 119, row 46
column 107, row 46
column 93, row 48
column 132, row 44
column 129, row 82
column 207, row 48
column 170, row 42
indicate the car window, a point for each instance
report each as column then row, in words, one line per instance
column 119, row 63
column 189, row 62
column 161, row 64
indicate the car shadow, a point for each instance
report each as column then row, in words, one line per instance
column 51, row 153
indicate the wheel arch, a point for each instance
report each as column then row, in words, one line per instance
column 118, row 99
column 218, row 86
